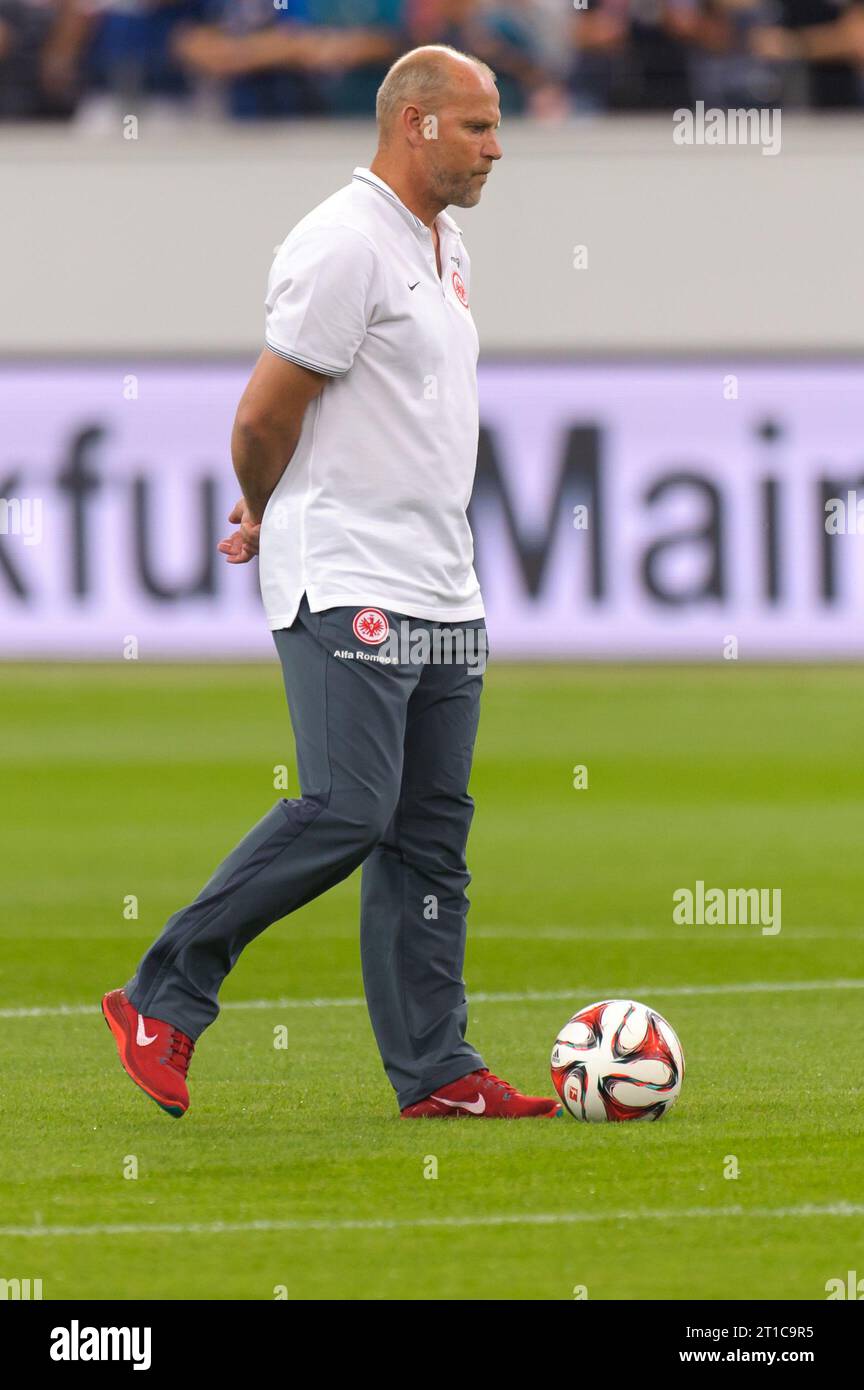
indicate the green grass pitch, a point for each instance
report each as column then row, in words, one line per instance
column 135, row 779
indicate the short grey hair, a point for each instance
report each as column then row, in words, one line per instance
column 422, row 76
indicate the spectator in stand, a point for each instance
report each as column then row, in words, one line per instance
column 660, row 71
column 40, row 50
column 361, row 38
column 658, row 55
column 724, row 71
column 129, row 57
column 600, row 44
column 305, row 57
column 278, row 58
column 827, row 38
column 524, row 41
column 263, row 57
column 627, row 57
column 634, row 55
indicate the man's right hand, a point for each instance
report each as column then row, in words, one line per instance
column 241, row 546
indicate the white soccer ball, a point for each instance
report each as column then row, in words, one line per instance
column 617, row 1060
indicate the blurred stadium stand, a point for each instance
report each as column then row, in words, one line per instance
column 74, row 60
column 671, row 335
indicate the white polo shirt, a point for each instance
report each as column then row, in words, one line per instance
column 371, row 509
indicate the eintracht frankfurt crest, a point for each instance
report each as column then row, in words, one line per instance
column 371, row 626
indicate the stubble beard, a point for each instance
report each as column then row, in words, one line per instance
column 456, row 190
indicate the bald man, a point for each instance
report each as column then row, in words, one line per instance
column 355, row 446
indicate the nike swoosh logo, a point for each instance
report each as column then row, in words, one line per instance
column 414, row 286
column 474, row 1107
column 142, row 1038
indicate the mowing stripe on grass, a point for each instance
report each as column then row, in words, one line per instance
column 546, row 1218
column 507, row 997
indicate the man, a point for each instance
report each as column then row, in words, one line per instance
column 355, row 447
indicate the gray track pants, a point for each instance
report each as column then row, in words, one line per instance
column 384, row 755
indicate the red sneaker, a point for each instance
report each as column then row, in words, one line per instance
column 155, row 1054
column 484, row 1096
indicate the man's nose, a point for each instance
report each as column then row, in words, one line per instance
column 492, row 148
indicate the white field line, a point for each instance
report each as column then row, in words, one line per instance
column 511, row 997
column 735, row 933
column 551, row 1218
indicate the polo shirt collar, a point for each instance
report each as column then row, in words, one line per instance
column 444, row 218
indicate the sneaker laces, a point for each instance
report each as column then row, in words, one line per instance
column 506, row 1086
column 180, row 1050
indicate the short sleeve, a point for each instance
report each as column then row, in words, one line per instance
column 318, row 296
